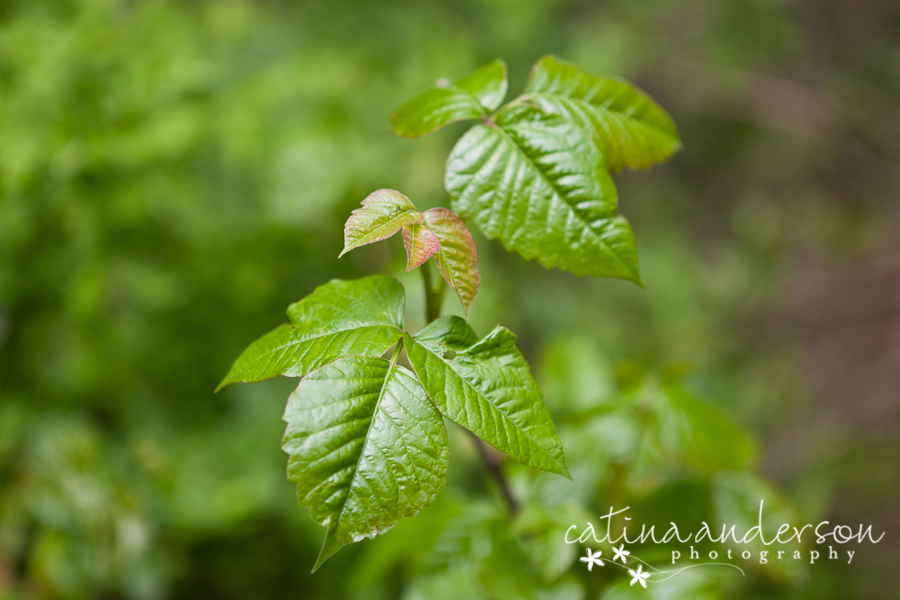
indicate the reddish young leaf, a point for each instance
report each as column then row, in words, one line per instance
column 420, row 244
column 383, row 213
column 458, row 257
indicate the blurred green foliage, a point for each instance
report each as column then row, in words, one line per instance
column 172, row 174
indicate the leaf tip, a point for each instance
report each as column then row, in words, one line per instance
column 329, row 547
column 227, row 380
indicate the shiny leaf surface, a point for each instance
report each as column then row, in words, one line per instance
column 458, row 257
column 487, row 388
column 340, row 318
column 366, row 447
column 469, row 97
column 421, row 243
column 383, row 213
column 538, row 185
column 630, row 129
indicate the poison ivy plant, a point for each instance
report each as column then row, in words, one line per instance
column 365, row 434
column 535, row 173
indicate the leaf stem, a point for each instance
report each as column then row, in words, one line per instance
column 434, row 296
column 493, row 464
column 433, row 299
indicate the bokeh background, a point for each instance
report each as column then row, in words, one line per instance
column 174, row 173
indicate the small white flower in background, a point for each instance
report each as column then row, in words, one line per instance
column 592, row 558
column 639, row 577
column 621, row 552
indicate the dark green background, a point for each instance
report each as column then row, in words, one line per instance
column 174, row 174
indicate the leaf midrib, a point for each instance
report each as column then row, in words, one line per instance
column 485, row 399
column 381, row 393
column 318, row 337
column 467, row 93
column 562, row 196
column 375, row 235
column 592, row 106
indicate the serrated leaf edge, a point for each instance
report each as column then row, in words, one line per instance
column 564, row 470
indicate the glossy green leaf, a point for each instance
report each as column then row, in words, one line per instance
column 630, row 129
column 420, row 243
column 447, row 334
column 340, row 318
column 487, row 388
column 383, row 213
column 538, row 185
column 366, row 448
column 469, row 97
column 458, row 257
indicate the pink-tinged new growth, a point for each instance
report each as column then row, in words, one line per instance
column 383, row 213
column 420, row 244
column 458, row 258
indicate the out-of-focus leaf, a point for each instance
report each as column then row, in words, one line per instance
column 736, row 500
column 577, row 376
column 420, row 243
column 698, row 433
column 538, row 185
column 507, row 574
column 567, row 588
column 541, row 531
column 488, row 389
column 366, row 448
column 469, row 97
column 458, row 258
column 383, row 213
column 467, row 537
column 630, row 129
column 457, row 582
column 686, row 586
column 340, row 318
column 405, row 548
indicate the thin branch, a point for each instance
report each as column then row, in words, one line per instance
column 493, row 463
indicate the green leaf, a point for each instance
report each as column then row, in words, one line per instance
column 487, row 388
column 420, row 243
column 699, row 433
column 447, row 334
column 538, row 185
column 458, row 258
column 469, row 97
column 538, row 526
column 630, row 129
column 340, row 318
column 383, row 213
column 366, row 448
column 576, row 376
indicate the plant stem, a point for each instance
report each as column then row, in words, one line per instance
column 493, row 464
column 433, row 299
column 434, row 296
